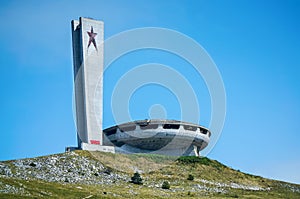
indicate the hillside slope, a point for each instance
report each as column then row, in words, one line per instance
column 83, row 174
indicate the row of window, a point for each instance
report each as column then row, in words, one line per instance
column 146, row 126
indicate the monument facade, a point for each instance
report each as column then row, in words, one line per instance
column 168, row 137
column 87, row 40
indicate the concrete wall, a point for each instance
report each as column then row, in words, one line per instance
column 88, row 73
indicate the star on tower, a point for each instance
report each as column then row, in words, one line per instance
column 92, row 36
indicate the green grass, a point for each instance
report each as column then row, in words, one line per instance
column 41, row 189
column 156, row 170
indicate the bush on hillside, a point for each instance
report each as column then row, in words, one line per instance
column 190, row 177
column 136, row 178
column 165, row 185
column 194, row 159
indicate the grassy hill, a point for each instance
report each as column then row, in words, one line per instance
column 83, row 174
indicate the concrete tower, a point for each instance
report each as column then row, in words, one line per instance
column 87, row 39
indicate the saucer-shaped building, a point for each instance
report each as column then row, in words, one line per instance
column 168, row 137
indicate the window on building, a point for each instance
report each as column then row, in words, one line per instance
column 148, row 126
column 110, row 131
column 171, row 126
column 127, row 128
column 190, row 128
column 203, row 131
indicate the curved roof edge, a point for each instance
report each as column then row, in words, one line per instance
column 155, row 121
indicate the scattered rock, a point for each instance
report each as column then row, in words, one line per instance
column 5, row 170
column 67, row 168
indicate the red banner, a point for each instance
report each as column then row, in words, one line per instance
column 95, row 142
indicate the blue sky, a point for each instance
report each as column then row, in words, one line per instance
column 255, row 45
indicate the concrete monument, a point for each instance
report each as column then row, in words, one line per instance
column 169, row 137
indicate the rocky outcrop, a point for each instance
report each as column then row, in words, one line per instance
column 68, row 167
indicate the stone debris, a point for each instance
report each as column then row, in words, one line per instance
column 6, row 188
column 5, row 170
column 292, row 188
column 235, row 185
column 67, row 168
column 204, row 188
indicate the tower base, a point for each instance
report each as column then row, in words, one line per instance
column 93, row 147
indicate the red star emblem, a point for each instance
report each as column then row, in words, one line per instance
column 92, row 36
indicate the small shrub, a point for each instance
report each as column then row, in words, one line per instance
column 136, row 178
column 32, row 164
column 165, row 185
column 190, row 177
column 107, row 171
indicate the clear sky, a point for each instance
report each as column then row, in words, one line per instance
column 255, row 45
